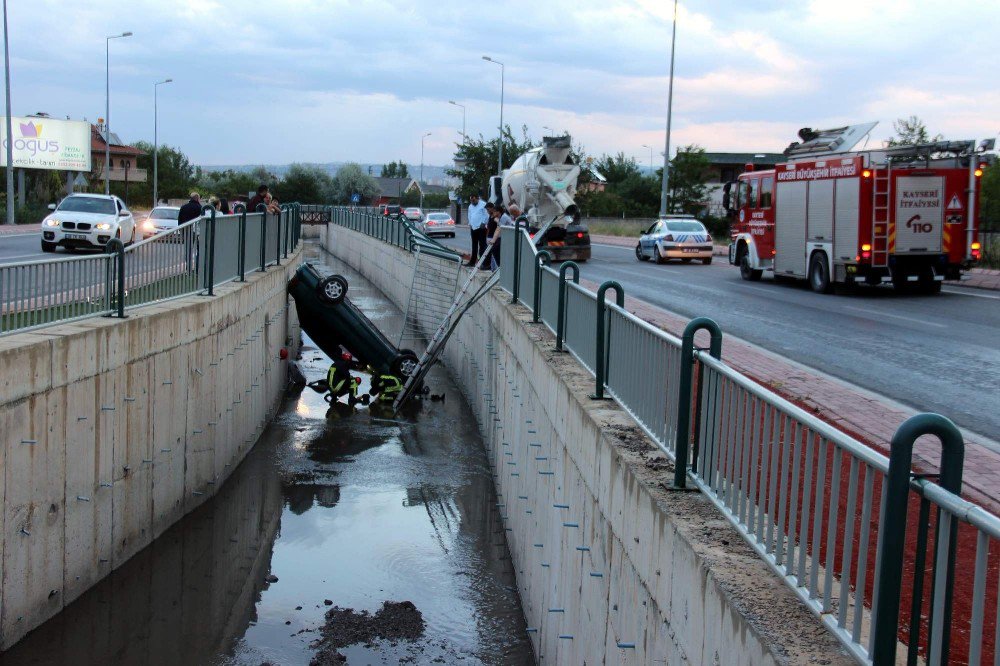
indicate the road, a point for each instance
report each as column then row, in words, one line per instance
column 936, row 353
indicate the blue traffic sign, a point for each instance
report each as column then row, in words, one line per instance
column 355, row 198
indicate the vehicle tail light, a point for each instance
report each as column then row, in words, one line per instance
column 866, row 251
column 976, row 250
column 979, row 170
column 669, row 238
column 866, row 173
column 579, row 234
column 774, row 251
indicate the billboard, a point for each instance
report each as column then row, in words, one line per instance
column 47, row 143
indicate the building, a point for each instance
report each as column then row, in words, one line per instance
column 124, row 159
column 391, row 190
column 726, row 167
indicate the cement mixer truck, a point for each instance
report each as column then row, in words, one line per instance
column 542, row 184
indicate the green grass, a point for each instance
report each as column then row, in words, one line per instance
column 624, row 228
column 990, row 257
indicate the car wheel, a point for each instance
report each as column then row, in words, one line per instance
column 48, row 247
column 747, row 273
column 332, row 289
column 638, row 253
column 819, row 274
column 707, row 261
column 657, row 256
column 405, row 364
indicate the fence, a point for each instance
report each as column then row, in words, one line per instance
column 393, row 229
column 195, row 257
column 870, row 547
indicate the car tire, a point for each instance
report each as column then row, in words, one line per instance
column 332, row 289
column 819, row 274
column 48, row 247
column 747, row 273
column 657, row 257
column 405, row 364
column 638, row 253
column 707, row 261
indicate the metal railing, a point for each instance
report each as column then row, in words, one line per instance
column 393, row 229
column 874, row 549
column 194, row 258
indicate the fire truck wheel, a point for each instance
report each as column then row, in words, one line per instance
column 746, row 272
column 819, row 274
column 638, row 253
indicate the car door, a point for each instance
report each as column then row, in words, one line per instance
column 126, row 222
column 646, row 241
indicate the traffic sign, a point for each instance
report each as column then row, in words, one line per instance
column 955, row 203
column 355, row 198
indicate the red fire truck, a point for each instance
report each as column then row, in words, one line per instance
column 905, row 215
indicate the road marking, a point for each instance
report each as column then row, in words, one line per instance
column 879, row 313
column 747, row 286
column 968, row 293
column 20, row 256
column 3, row 236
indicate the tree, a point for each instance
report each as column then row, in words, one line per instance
column 910, row 132
column 175, row 175
column 616, row 168
column 397, row 169
column 305, row 184
column 228, row 183
column 689, row 170
column 480, row 158
column 350, row 180
column 990, row 199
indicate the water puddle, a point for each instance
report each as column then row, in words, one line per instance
column 345, row 534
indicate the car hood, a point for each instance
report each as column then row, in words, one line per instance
column 94, row 218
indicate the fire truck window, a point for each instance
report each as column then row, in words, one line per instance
column 752, row 186
column 766, row 189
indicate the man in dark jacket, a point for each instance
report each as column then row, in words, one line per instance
column 190, row 210
column 257, row 199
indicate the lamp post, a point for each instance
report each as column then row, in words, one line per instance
column 156, row 142
column 500, row 156
column 670, row 104
column 10, row 132
column 421, row 184
column 107, row 109
column 463, row 118
column 650, row 156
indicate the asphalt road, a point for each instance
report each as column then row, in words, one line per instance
column 936, row 353
column 22, row 247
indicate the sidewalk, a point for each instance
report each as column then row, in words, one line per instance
column 17, row 229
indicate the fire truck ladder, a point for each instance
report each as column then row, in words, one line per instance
column 881, row 201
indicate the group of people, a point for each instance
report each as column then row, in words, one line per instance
column 340, row 383
column 485, row 220
column 193, row 208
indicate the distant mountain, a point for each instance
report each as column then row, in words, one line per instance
column 434, row 175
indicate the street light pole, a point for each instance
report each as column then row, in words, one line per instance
column 463, row 118
column 156, row 141
column 107, row 109
column 10, row 131
column 650, row 156
column 500, row 156
column 421, row 185
column 670, row 104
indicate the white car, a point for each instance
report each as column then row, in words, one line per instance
column 87, row 221
column 675, row 237
column 438, row 224
column 159, row 220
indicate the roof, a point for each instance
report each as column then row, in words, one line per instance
column 392, row 187
column 427, row 188
column 744, row 158
column 97, row 144
column 88, row 195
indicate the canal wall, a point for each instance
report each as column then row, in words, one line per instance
column 612, row 566
column 113, row 429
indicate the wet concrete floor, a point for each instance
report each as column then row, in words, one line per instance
column 333, row 509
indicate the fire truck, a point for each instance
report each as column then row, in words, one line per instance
column 905, row 215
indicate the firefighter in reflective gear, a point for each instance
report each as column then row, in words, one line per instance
column 386, row 387
column 340, row 382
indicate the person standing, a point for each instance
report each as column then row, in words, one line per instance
column 257, row 199
column 478, row 216
column 190, row 210
column 493, row 238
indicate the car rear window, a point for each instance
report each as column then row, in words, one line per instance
column 164, row 214
column 438, row 216
column 685, row 226
column 87, row 205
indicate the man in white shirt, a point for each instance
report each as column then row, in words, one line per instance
column 478, row 217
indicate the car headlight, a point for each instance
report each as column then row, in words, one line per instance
column 148, row 226
column 103, row 226
column 52, row 222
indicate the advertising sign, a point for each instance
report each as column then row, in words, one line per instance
column 47, row 143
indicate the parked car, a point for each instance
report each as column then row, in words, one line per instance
column 675, row 237
column 332, row 321
column 160, row 219
column 87, row 221
column 438, row 224
column 414, row 214
column 391, row 209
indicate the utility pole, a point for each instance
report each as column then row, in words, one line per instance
column 107, row 109
column 421, row 183
column 670, row 104
column 156, row 142
column 10, row 131
column 463, row 118
column 500, row 153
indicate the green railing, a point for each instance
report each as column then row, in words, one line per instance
column 393, row 229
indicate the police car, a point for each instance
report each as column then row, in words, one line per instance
column 88, row 221
column 675, row 237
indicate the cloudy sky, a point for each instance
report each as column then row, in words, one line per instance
column 328, row 80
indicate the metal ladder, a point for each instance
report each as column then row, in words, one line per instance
column 881, row 203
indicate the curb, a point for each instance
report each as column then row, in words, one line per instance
column 19, row 229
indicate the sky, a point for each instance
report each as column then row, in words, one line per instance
column 352, row 80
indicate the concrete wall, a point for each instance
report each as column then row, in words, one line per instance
column 612, row 567
column 114, row 429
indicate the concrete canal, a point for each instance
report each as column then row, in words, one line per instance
column 344, row 535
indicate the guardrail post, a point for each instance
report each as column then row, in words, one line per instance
column 685, row 431
column 561, row 321
column 210, row 247
column 541, row 259
column 117, row 248
column 277, row 238
column 241, row 210
column 601, row 351
column 516, row 285
column 262, row 209
column 885, row 615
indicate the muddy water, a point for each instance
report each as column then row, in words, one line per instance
column 334, row 510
